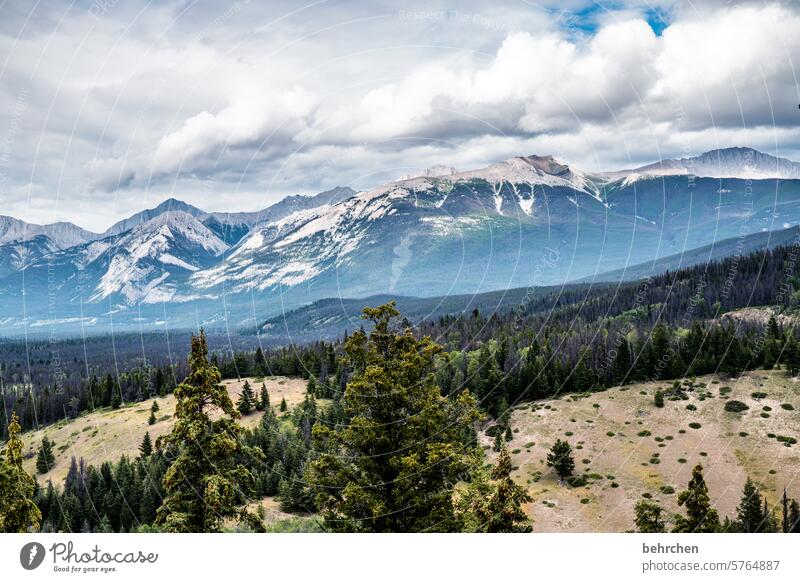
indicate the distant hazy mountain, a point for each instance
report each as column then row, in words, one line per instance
column 61, row 234
column 724, row 163
column 526, row 222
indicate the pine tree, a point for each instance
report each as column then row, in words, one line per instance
column 621, row 366
column 45, row 459
column 283, row 407
column 658, row 400
column 560, row 459
column 154, row 407
column 498, row 442
column 504, row 509
column 792, row 355
column 206, row 482
column 246, row 399
column 509, row 435
column 262, row 402
column 648, row 517
column 794, row 516
column 116, row 398
column 152, row 419
column 750, row 517
column 785, row 528
column 146, row 448
column 700, row 516
column 18, row 512
column 395, row 463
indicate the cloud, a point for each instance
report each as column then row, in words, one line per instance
column 251, row 104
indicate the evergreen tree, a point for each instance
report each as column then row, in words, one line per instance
column 498, row 442
column 794, row 516
column 700, row 516
column 648, row 517
column 116, row 398
column 560, row 459
column 792, row 355
column 620, row 368
column 658, row 400
column 152, row 419
column 509, row 435
column 785, row 528
column 246, row 399
column 750, row 516
column 504, row 509
column 283, row 407
column 263, row 397
column 18, row 512
column 146, row 448
column 154, row 407
column 45, row 459
column 206, row 481
column 394, row 465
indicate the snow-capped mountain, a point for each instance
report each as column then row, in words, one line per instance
column 61, row 234
column 738, row 162
column 526, row 221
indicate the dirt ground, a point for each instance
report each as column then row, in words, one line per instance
column 107, row 434
column 604, row 429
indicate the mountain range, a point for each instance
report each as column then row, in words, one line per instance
column 525, row 222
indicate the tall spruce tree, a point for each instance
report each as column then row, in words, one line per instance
column 560, row 459
column 394, row 464
column 700, row 516
column 45, row 458
column 146, row 448
column 246, row 400
column 750, row 517
column 794, row 516
column 206, row 482
column 263, row 397
column 504, row 508
column 18, row 512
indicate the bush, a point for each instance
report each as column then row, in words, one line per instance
column 691, row 407
column 614, row 484
column 742, row 434
column 585, row 500
column 644, row 433
column 787, row 406
column 667, row 489
column 576, row 481
column 759, row 395
column 736, row 406
column 695, row 425
column 765, row 415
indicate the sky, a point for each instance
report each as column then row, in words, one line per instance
column 109, row 107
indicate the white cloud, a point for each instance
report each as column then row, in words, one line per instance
column 252, row 104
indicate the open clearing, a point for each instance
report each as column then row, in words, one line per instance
column 604, row 427
column 106, row 434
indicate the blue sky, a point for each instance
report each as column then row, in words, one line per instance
column 107, row 108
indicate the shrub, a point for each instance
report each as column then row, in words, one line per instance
column 766, row 408
column 724, row 390
column 614, row 484
column 691, row 407
column 681, row 460
column 735, row 406
column 667, row 489
column 765, row 415
column 695, row 425
column 644, row 433
column 787, row 406
column 759, row 395
column 610, row 434
column 742, row 434
column 585, row 500
column 576, row 481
